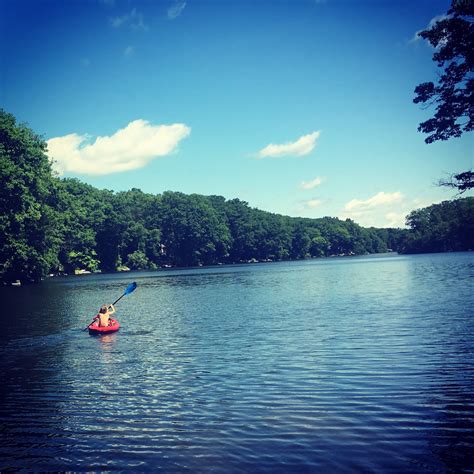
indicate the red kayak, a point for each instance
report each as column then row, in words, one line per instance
column 94, row 327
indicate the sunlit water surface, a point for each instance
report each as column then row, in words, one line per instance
column 360, row 364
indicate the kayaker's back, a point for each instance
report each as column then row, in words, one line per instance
column 103, row 319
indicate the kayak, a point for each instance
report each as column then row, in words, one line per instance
column 94, row 328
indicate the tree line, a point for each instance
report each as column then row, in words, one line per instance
column 52, row 225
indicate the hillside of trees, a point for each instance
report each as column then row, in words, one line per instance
column 445, row 227
column 52, row 225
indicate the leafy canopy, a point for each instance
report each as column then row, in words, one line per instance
column 453, row 95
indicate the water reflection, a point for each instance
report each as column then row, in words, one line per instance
column 107, row 344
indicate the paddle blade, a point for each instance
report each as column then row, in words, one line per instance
column 130, row 288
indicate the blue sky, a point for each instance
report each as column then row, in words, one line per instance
column 299, row 107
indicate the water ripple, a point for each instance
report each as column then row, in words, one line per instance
column 358, row 365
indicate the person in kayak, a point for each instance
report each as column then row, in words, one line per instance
column 104, row 315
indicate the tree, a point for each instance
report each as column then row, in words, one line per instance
column 301, row 242
column 461, row 181
column 444, row 227
column 319, row 246
column 138, row 261
column 154, row 249
column 453, row 40
column 193, row 233
column 275, row 238
column 243, row 226
column 30, row 239
column 108, row 240
column 81, row 261
column 81, row 209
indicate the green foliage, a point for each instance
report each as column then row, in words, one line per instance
column 108, row 238
column 444, row 227
column 82, row 209
column 30, row 240
column 62, row 225
column 301, row 242
column 193, row 231
column 138, row 261
column 81, row 261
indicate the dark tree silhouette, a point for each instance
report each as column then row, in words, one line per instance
column 453, row 95
column 453, row 39
column 461, row 181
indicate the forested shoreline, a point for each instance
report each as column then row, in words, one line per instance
column 51, row 225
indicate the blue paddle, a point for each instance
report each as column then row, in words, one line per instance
column 130, row 289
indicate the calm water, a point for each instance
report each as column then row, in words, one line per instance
column 360, row 364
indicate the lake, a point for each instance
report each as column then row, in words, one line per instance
column 355, row 364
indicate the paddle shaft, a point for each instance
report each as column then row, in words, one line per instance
column 116, row 301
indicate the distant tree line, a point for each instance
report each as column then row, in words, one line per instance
column 52, row 225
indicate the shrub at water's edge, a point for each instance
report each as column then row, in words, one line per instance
column 52, row 225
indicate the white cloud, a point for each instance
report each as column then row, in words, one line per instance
column 395, row 219
column 378, row 199
column 129, row 148
column 420, row 203
column 306, row 207
column 176, row 9
column 302, row 146
column 118, row 21
column 312, row 203
column 384, row 209
column 311, row 184
column 134, row 20
column 377, row 218
column 129, row 50
column 381, row 210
